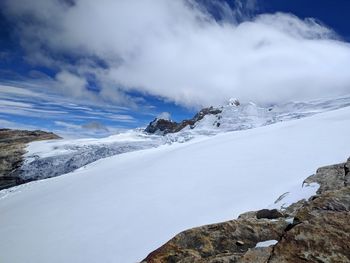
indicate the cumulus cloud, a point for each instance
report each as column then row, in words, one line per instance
column 178, row 51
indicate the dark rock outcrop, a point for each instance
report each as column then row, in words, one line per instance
column 12, row 148
column 161, row 126
column 319, row 232
column 268, row 214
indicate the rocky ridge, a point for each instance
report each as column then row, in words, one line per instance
column 163, row 126
column 315, row 230
column 12, row 148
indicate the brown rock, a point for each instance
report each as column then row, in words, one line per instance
column 322, row 233
column 333, row 177
column 218, row 242
column 256, row 255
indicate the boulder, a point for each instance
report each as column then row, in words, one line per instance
column 268, row 214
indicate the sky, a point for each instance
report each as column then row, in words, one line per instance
column 92, row 68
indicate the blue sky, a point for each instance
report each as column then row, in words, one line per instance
column 174, row 56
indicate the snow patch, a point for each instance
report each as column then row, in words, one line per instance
column 266, row 243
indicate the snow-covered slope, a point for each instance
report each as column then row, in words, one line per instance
column 120, row 208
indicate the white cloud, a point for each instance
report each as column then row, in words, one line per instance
column 9, row 103
column 176, row 50
column 70, row 82
column 12, row 91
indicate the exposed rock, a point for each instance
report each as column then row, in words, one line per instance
column 331, row 177
column 247, row 215
column 294, row 208
column 163, row 126
column 319, row 233
column 256, row 255
column 218, row 242
column 12, row 148
column 268, row 214
column 263, row 213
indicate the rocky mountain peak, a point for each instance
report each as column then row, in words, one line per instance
column 163, row 126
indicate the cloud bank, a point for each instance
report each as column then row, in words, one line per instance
column 178, row 51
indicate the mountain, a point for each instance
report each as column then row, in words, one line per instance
column 240, row 116
column 120, row 208
column 47, row 159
